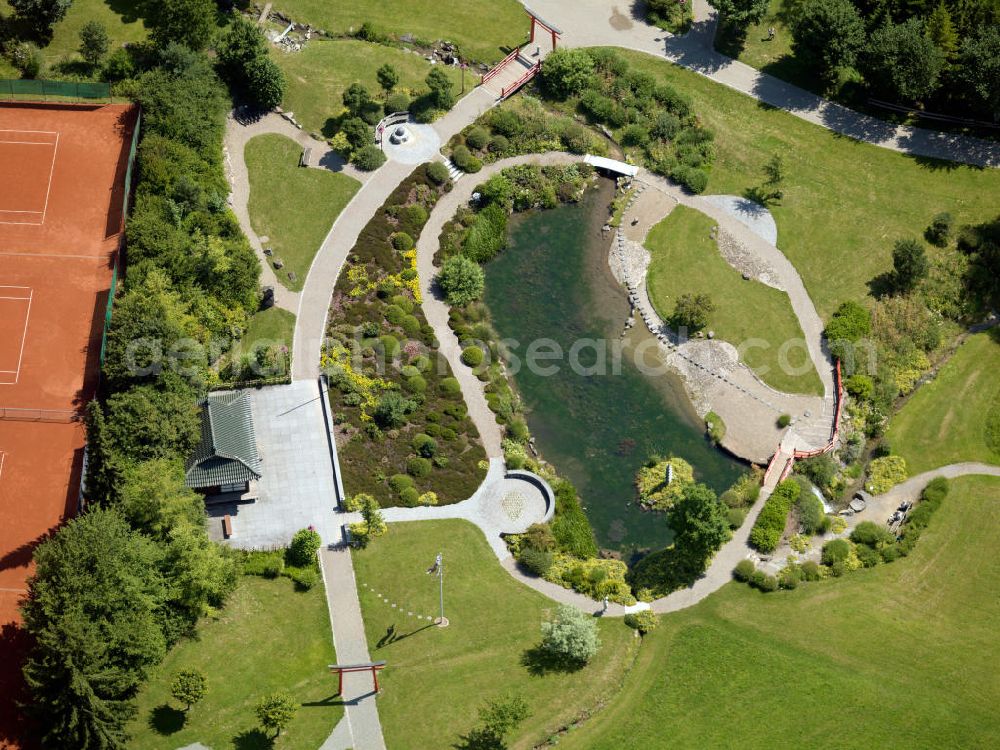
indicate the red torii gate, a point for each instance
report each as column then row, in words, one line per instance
column 536, row 21
column 374, row 666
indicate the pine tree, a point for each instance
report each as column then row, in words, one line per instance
column 940, row 30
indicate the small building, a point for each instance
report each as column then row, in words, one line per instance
column 225, row 467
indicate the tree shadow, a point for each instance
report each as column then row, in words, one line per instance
column 166, row 720
column 253, row 739
column 540, row 662
column 882, row 285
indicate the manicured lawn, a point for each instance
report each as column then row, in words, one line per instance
column 479, row 27
column 269, row 637
column 899, row 656
column 318, row 75
column 274, row 325
column 436, row 679
column 945, row 420
column 118, row 16
column 686, row 260
column 845, row 202
column 293, row 206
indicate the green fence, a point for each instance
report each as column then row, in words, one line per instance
column 25, row 89
column 125, row 203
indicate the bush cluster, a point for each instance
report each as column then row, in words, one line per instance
column 770, row 524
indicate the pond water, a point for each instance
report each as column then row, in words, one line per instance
column 553, row 282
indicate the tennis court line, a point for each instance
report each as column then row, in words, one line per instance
column 24, row 334
column 48, row 188
column 52, row 170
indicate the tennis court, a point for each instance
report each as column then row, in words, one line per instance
column 62, row 176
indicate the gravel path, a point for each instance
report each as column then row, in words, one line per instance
column 588, row 23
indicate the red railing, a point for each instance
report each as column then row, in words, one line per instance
column 496, row 69
column 836, row 422
column 508, row 90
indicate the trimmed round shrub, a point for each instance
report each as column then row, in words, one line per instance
column 410, row 497
column 450, row 387
column 465, row 161
column 535, row 561
column 424, row 445
column 743, row 570
column 418, row 467
column 784, row 420
column 416, row 384
column 811, row 570
column 305, row 544
column 437, row 173
column 390, row 344
column 871, row 534
column 735, row 517
column 472, row 356
column 368, row 158
column 400, row 482
column 477, row 138
column 410, row 325
column 461, row 279
column 402, row 241
column 869, row 556
column 643, row 621
column 836, row 551
column 499, row 144
column 394, row 314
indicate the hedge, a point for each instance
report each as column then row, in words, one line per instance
column 766, row 532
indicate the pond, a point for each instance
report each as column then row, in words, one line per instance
column 553, row 282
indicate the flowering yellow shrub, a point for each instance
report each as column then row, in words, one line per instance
column 337, row 361
column 595, row 577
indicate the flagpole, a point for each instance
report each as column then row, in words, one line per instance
column 442, row 621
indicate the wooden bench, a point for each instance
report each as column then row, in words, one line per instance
column 227, row 526
column 304, row 159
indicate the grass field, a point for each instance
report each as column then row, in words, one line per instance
column 945, row 420
column 686, row 259
column 898, row 656
column 318, row 75
column 273, row 324
column 291, row 206
column 269, row 637
column 845, row 202
column 118, row 16
column 481, row 28
column 436, row 679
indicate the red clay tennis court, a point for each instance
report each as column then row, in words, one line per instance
column 62, row 188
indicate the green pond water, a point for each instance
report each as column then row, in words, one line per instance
column 553, row 282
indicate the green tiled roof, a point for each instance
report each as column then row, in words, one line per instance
column 228, row 450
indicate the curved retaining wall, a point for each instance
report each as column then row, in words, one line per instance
column 541, row 484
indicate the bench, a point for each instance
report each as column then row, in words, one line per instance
column 304, row 159
column 227, row 526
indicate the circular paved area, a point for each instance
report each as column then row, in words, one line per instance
column 422, row 146
column 512, row 505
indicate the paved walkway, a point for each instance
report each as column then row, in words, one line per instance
column 590, row 23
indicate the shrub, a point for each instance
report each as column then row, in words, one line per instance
column 811, row 571
column 860, row 386
column 461, row 280
column 538, row 562
column 305, row 544
column 437, row 173
column 694, row 179
column 477, row 137
column 715, row 427
column 869, row 556
column 836, row 551
column 571, row 636
column 402, row 241
column 571, row 527
column 465, row 161
column 368, row 158
column 418, row 466
column 644, row 621
column 499, row 144
column 428, row 498
column 425, row 445
column 784, row 420
column 810, row 512
column 743, row 570
column 410, row 497
column 450, row 387
column 397, row 102
column 885, row 473
column 303, row 578
column 264, row 564
column 939, row 231
column 399, row 482
column 472, row 356
column 790, row 576
column 770, row 524
column 566, row 72
column 188, row 687
column 735, row 517
column 871, row 534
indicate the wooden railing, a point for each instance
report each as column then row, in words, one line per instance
column 496, row 69
column 532, row 71
column 836, row 422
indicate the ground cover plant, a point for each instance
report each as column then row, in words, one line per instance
column 720, row 651
column 483, row 30
column 686, row 260
column 403, row 428
column 495, row 629
column 834, row 222
column 956, row 416
column 291, row 206
column 263, row 616
column 319, row 74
